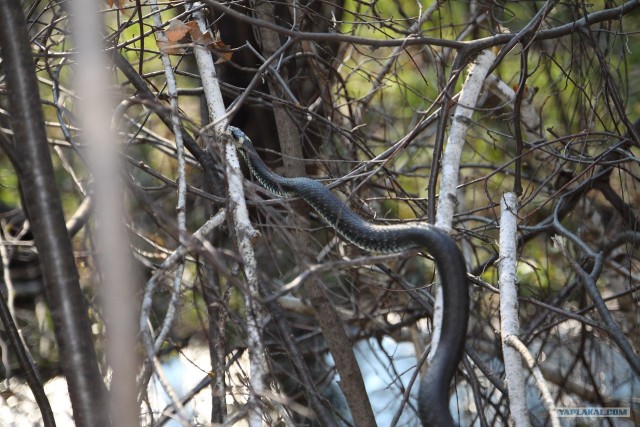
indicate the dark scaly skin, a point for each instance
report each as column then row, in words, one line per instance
column 434, row 387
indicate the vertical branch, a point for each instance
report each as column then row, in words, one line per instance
column 517, row 131
column 41, row 200
column 115, row 272
column 509, row 308
column 288, row 132
column 243, row 229
column 6, row 273
column 178, row 261
column 182, row 186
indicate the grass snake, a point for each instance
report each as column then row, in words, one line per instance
column 433, row 400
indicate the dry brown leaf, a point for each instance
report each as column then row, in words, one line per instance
column 176, row 30
column 194, row 30
column 222, row 50
column 175, row 33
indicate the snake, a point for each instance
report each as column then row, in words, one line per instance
column 433, row 400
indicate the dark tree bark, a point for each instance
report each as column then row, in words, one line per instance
column 32, row 163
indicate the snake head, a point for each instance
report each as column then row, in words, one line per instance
column 238, row 136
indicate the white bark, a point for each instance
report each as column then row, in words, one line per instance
column 457, row 137
column 515, row 342
column 451, row 164
column 172, row 89
column 509, row 308
column 243, row 228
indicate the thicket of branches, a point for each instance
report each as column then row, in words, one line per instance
column 157, row 257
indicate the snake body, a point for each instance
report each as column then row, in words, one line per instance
column 434, row 386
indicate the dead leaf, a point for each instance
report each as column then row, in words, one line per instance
column 176, row 45
column 176, row 30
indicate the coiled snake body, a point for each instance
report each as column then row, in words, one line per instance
column 433, row 395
